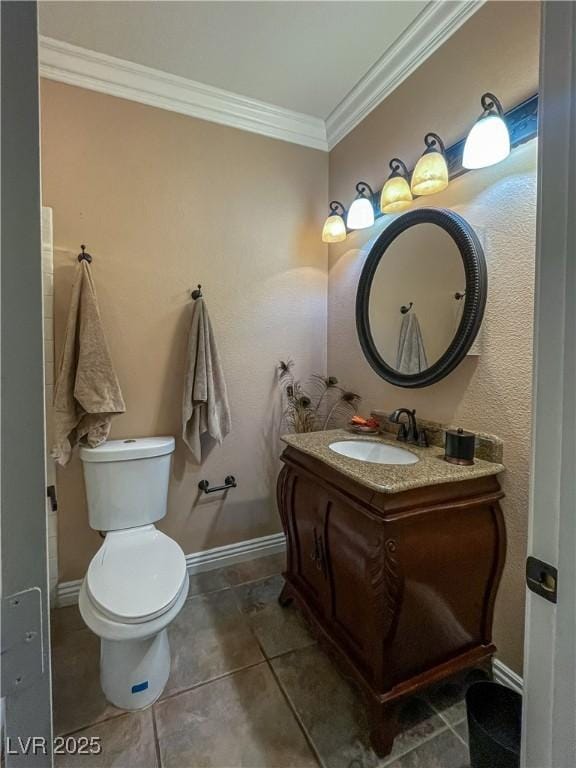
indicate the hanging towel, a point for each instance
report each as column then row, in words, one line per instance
column 205, row 409
column 411, row 357
column 87, row 393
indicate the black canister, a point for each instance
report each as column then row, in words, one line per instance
column 460, row 446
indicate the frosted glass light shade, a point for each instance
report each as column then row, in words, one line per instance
column 334, row 230
column 430, row 174
column 396, row 195
column 488, row 143
column 360, row 214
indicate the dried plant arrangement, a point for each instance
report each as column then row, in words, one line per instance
column 320, row 403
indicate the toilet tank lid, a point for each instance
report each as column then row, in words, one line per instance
column 128, row 449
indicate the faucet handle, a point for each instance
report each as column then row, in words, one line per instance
column 422, row 438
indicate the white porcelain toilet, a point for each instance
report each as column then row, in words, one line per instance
column 137, row 581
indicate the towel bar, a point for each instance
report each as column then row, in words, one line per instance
column 229, row 482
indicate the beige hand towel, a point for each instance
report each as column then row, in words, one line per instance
column 87, row 389
column 205, row 409
column 411, row 356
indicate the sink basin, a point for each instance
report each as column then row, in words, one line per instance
column 373, row 452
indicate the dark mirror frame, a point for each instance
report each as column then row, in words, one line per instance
column 474, row 303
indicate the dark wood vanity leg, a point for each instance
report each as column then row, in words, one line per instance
column 383, row 727
column 285, row 597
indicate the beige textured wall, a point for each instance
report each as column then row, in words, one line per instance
column 496, row 50
column 164, row 202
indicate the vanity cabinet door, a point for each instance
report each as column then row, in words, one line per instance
column 355, row 549
column 308, row 512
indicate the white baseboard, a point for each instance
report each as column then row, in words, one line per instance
column 504, row 675
column 208, row 560
column 219, row 557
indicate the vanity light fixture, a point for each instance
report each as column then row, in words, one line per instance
column 489, row 140
column 361, row 212
column 431, row 172
column 396, row 195
column 334, row 230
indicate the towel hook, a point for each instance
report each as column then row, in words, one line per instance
column 460, row 295
column 84, row 256
column 404, row 309
column 197, row 293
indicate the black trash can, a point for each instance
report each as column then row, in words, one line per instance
column 494, row 722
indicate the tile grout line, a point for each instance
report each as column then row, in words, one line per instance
column 159, row 701
column 231, row 586
column 392, row 758
column 283, row 693
column 296, row 716
column 94, row 723
column 216, row 679
column 451, row 726
column 442, row 717
column 455, row 732
column 156, row 739
column 170, row 696
column 268, row 660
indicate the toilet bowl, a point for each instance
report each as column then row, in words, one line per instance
column 137, row 582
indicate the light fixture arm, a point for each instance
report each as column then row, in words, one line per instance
column 491, row 105
column 364, row 190
column 337, row 209
column 434, row 143
column 398, row 168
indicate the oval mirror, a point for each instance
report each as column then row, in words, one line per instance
column 421, row 297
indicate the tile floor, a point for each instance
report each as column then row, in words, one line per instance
column 249, row 687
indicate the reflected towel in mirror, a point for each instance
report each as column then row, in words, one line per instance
column 411, row 357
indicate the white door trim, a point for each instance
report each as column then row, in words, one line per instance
column 24, row 623
column 549, row 728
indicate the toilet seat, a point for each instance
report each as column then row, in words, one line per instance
column 136, row 575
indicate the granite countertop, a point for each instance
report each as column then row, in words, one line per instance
column 431, row 469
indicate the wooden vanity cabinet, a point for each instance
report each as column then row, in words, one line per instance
column 400, row 588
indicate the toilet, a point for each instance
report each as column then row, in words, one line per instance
column 137, row 582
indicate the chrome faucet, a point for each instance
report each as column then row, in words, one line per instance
column 411, row 433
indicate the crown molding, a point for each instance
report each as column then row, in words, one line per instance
column 95, row 71
column 431, row 28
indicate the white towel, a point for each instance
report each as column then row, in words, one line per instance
column 411, row 357
column 205, row 409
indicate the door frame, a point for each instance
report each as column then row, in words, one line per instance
column 549, row 720
column 25, row 640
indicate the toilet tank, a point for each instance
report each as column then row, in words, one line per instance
column 127, row 481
